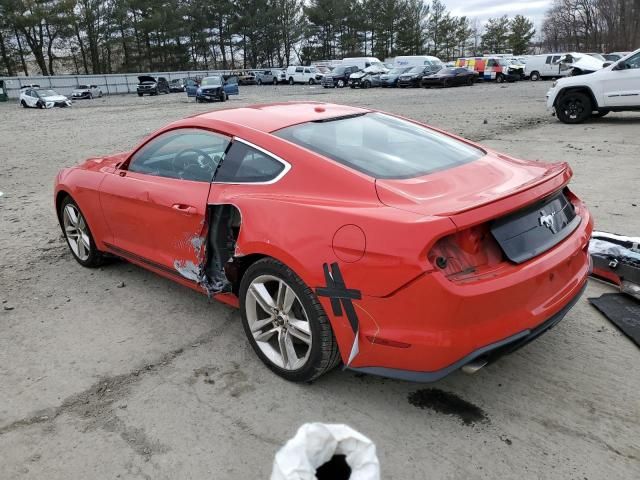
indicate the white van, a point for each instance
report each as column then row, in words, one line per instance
column 298, row 74
column 403, row 61
column 361, row 62
column 545, row 66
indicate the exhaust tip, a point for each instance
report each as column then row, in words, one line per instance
column 473, row 366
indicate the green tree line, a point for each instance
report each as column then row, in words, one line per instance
column 109, row 36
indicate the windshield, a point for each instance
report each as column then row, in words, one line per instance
column 212, row 81
column 47, row 93
column 82, row 87
column 381, row 146
column 418, row 69
column 446, row 71
column 398, row 71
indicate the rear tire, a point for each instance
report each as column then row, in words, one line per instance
column 259, row 82
column 139, row 94
column 291, row 82
column 499, row 78
column 78, row 235
column 319, row 349
column 574, row 107
column 275, row 81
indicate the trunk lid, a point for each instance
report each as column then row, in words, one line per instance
column 449, row 192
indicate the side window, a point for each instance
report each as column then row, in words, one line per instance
column 633, row 62
column 548, row 62
column 492, row 63
column 298, row 69
column 367, row 64
column 232, row 80
column 187, row 154
column 306, row 70
column 555, row 59
column 245, row 164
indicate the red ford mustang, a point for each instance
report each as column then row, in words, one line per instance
column 342, row 234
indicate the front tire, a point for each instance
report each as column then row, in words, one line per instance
column 24, row 104
column 534, row 77
column 574, row 108
column 291, row 82
column 285, row 323
column 78, row 235
column 340, row 83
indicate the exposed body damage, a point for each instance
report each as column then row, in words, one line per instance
column 214, row 250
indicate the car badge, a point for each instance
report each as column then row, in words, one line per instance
column 547, row 220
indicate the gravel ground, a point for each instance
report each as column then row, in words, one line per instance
column 117, row 373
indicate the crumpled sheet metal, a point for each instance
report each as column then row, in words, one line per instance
column 617, row 258
column 314, row 444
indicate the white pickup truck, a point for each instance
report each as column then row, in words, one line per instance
column 615, row 88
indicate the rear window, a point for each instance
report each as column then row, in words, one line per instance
column 381, row 146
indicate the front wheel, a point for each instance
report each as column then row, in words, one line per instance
column 78, row 235
column 312, row 81
column 275, row 81
column 285, row 323
column 574, row 108
column 366, row 84
column 340, row 83
column 24, row 104
column 259, row 82
column 291, row 81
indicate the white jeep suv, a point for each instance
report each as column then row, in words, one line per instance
column 615, row 88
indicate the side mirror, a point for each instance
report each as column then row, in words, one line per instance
column 620, row 66
column 606, row 64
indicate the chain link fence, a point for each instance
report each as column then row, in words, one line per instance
column 112, row 84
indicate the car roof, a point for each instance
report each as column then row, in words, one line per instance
column 274, row 116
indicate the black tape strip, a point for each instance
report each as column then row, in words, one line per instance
column 340, row 296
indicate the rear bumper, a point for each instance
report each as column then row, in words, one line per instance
column 488, row 354
column 445, row 324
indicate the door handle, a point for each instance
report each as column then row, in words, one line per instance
column 182, row 208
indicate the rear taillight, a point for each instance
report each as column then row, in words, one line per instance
column 467, row 253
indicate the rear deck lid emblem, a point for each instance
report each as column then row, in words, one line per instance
column 547, row 220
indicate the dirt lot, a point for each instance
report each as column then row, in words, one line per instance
column 117, row 373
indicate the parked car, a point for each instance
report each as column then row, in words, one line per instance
column 615, row 88
column 493, row 248
column 152, row 86
column 298, row 74
column 413, row 76
column 177, row 85
column 86, row 91
column 191, row 86
column 580, row 63
column 390, row 79
column 36, row 97
column 339, row 76
column 216, row 87
column 246, row 78
column 268, row 77
column 450, row 77
column 491, row 68
column 615, row 56
column 367, row 78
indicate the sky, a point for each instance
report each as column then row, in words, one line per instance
column 484, row 9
